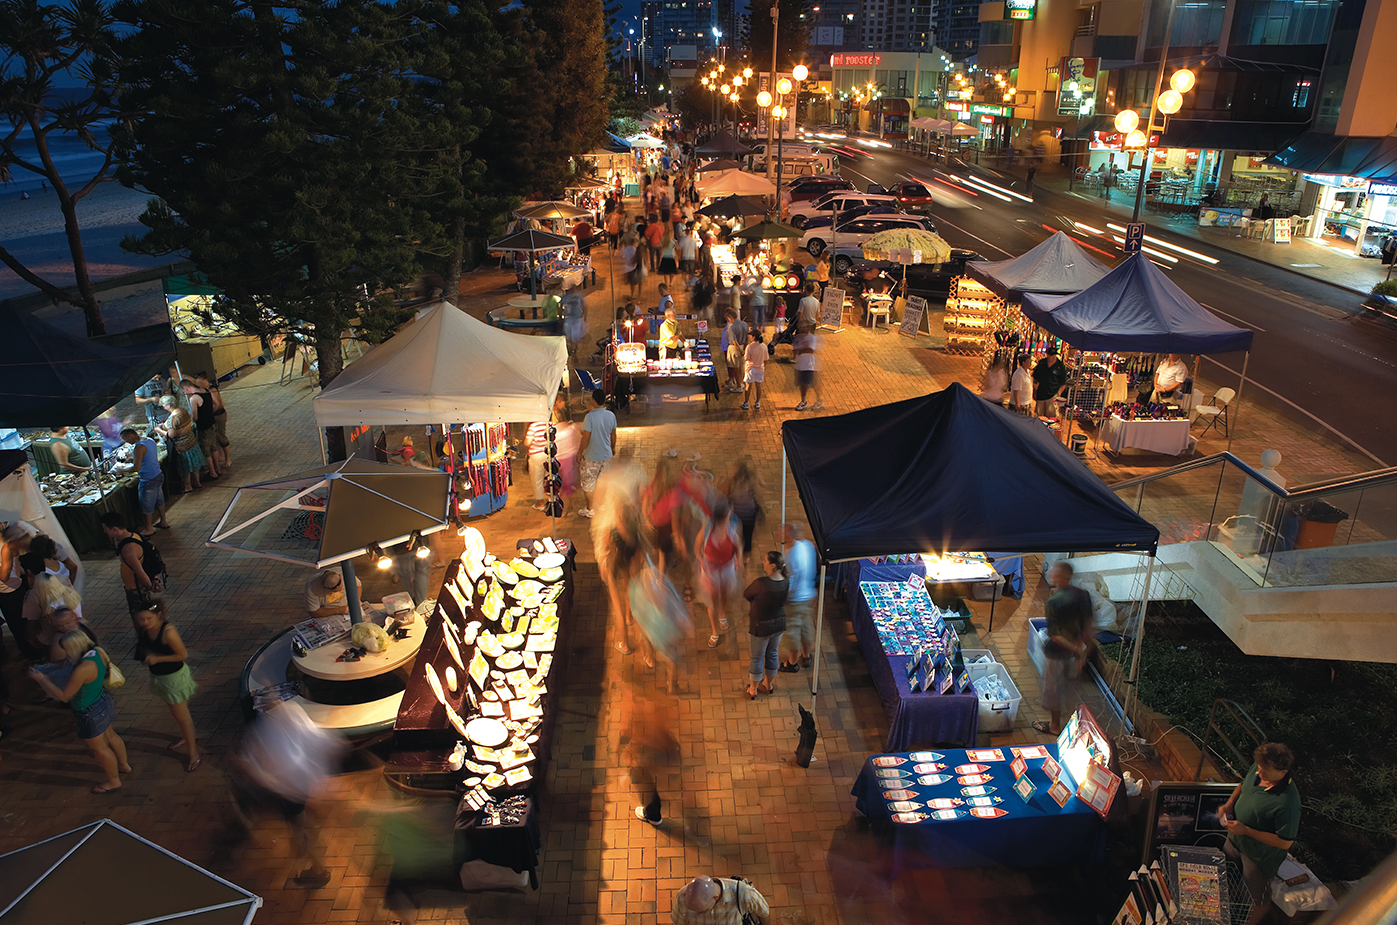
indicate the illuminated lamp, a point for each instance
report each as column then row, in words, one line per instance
column 1170, row 102
column 1182, row 80
column 1127, row 120
column 800, row 72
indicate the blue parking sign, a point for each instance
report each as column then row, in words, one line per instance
column 1134, row 238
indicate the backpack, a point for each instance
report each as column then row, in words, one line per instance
column 151, row 562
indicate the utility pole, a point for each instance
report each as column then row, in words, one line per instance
column 771, row 88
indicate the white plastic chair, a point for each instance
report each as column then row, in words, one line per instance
column 1217, row 411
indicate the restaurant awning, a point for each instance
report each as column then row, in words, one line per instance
column 1372, row 158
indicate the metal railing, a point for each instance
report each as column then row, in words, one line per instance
column 1244, row 721
column 1338, row 531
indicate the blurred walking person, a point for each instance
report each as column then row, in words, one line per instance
column 719, row 557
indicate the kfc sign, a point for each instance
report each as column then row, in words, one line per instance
column 839, row 60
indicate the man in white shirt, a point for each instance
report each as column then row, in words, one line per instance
column 1168, row 376
column 688, row 251
column 808, row 311
column 1021, row 387
column 598, row 446
column 718, row 901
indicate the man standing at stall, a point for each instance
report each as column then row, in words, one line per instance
column 220, row 416
column 1049, row 379
column 1262, row 818
column 598, row 445
column 1069, row 616
column 1169, row 375
column 150, row 479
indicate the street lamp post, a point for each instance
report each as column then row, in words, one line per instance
column 1166, row 103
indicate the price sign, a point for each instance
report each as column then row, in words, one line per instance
column 912, row 316
column 832, row 307
column 703, row 327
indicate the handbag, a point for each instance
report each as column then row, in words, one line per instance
column 115, row 678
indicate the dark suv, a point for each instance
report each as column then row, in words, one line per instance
column 814, row 187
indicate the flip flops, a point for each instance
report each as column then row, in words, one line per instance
column 713, row 641
column 1043, row 727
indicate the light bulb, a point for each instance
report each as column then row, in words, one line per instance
column 1135, row 139
column 1170, row 102
column 800, row 72
column 747, row 73
column 763, row 99
column 1127, row 120
column 1182, row 80
column 737, row 80
column 783, row 86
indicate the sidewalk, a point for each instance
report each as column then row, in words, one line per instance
column 736, row 805
column 1308, row 257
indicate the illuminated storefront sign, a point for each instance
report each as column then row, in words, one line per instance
column 1077, row 86
column 842, row 60
column 1020, row 9
column 983, row 109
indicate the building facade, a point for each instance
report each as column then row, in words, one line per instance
column 882, row 91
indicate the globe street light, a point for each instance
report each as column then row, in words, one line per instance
column 1166, row 103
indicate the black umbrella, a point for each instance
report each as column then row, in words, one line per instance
column 722, row 143
column 730, row 206
column 533, row 241
column 768, row 231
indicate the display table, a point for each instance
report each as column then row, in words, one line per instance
column 321, row 662
column 1169, row 438
column 913, row 719
column 508, row 318
column 513, row 846
column 83, row 522
column 1038, row 833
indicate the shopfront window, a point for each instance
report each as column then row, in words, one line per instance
column 1283, row 22
column 1196, row 24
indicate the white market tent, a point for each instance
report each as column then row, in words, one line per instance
column 644, row 140
column 447, row 367
column 734, row 183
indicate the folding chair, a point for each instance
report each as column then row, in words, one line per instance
column 589, row 384
column 1217, row 411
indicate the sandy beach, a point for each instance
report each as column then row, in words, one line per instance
column 32, row 230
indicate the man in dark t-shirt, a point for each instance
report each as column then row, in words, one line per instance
column 1068, row 612
column 1049, row 377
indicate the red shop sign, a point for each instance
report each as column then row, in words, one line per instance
column 842, row 60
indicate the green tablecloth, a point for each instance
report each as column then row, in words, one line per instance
column 82, row 522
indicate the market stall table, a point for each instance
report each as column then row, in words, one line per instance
column 1170, row 438
column 913, row 718
column 1036, row 833
column 82, row 521
column 507, row 318
column 511, row 843
column 322, row 662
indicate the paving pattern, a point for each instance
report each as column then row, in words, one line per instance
column 736, row 804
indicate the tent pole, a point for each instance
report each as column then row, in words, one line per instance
column 320, row 434
column 533, row 284
column 1237, row 401
column 351, row 591
column 783, row 486
column 819, row 632
column 96, row 465
column 1131, row 682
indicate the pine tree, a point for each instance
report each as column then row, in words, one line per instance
column 39, row 44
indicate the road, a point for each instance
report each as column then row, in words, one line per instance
column 1317, row 356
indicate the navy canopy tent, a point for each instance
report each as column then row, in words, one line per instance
column 49, row 377
column 945, row 472
column 1135, row 309
column 1058, row 265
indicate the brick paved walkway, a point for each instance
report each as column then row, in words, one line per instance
column 736, row 803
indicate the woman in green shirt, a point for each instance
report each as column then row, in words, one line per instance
column 1262, row 818
column 93, row 708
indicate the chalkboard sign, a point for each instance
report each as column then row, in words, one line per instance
column 1185, row 813
column 832, row 307
column 912, row 316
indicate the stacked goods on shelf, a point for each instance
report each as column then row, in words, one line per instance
column 973, row 313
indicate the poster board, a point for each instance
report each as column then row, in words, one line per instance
column 912, row 313
column 1280, row 230
column 1184, row 813
column 832, row 307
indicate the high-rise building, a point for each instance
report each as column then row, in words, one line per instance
column 896, row 25
column 835, row 25
column 670, row 23
column 957, row 25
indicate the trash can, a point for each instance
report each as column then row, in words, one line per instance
column 1319, row 522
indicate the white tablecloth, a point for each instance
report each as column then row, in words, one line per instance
column 1167, row 437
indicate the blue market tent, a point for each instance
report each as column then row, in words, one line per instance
column 1059, row 265
column 947, row 472
column 1135, row 309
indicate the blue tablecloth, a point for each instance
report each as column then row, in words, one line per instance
column 913, row 719
column 1034, row 834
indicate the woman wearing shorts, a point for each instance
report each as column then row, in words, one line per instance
column 756, row 368
column 93, row 708
column 159, row 646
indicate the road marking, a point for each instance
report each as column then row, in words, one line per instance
column 857, row 174
column 1233, row 317
column 1335, row 431
column 975, row 236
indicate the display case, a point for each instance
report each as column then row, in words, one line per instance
column 973, row 314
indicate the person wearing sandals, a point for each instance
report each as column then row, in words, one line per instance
column 159, row 646
column 93, row 708
column 766, row 620
column 719, row 567
column 803, row 566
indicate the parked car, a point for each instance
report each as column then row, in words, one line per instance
column 928, row 280
column 842, row 200
column 856, row 231
column 880, row 208
column 803, row 188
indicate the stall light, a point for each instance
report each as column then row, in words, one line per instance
column 380, row 558
column 418, row 546
column 792, row 282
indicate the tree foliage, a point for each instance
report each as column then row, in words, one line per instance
column 41, row 44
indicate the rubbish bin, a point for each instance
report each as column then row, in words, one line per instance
column 1319, row 522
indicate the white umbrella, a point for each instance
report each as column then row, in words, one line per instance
column 735, row 183
column 642, row 140
column 962, row 130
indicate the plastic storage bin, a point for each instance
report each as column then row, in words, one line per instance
column 1037, row 635
column 971, row 654
column 999, row 715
